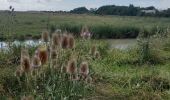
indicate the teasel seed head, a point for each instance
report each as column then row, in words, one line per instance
column 56, row 39
column 45, row 36
column 72, row 67
column 36, row 62
column 84, row 69
column 65, row 41
column 43, row 55
column 25, row 63
column 71, row 41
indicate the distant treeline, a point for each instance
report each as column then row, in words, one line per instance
column 130, row 10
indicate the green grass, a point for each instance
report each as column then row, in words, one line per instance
column 32, row 24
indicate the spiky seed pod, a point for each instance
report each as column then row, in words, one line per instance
column 56, row 39
column 36, row 62
column 71, row 42
column 93, row 50
column 25, row 63
column 97, row 54
column 65, row 41
column 84, row 69
column 43, row 55
column 45, row 36
column 53, row 54
column 72, row 67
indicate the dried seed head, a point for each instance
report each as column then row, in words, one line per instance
column 72, row 67
column 36, row 62
column 45, row 36
column 25, row 63
column 84, row 69
column 71, row 42
column 43, row 55
column 65, row 41
column 56, row 39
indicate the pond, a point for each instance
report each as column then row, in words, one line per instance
column 114, row 43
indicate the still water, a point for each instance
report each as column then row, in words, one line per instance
column 114, row 43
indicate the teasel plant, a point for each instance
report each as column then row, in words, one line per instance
column 57, row 73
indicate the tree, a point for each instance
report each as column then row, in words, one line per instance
column 80, row 10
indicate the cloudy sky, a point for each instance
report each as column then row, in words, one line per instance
column 53, row 5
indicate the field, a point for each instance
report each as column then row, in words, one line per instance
column 95, row 70
column 32, row 24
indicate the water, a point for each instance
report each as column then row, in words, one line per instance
column 4, row 45
column 114, row 43
column 122, row 43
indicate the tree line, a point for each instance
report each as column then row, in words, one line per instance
column 130, row 10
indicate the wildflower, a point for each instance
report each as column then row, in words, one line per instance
column 43, row 54
column 64, row 42
column 56, row 39
column 85, row 33
column 71, row 41
column 25, row 63
column 45, row 36
column 71, row 67
column 84, row 69
column 36, row 62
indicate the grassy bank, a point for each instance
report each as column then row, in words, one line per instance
column 138, row 73
column 30, row 25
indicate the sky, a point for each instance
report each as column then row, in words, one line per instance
column 55, row 5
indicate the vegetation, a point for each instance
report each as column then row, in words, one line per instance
column 76, row 66
column 130, row 10
column 29, row 25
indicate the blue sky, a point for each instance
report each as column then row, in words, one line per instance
column 23, row 5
